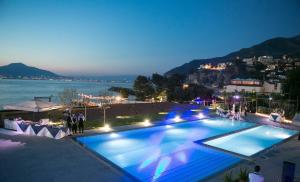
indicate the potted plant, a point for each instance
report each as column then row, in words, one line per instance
column 228, row 177
column 243, row 175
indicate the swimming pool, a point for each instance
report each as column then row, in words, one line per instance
column 167, row 153
column 252, row 141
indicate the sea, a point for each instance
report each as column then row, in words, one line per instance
column 17, row 90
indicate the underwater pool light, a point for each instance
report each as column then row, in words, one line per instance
column 114, row 135
column 169, row 126
column 177, row 118
column 200, row 115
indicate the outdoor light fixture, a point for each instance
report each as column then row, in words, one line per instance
column 107, row 127
column 270, row 98
column 146, row 122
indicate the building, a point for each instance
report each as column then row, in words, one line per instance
column 265, row 59
column 249, row 61
column 252, row 85
column 218, row 67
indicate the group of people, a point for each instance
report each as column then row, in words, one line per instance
column 75, row 122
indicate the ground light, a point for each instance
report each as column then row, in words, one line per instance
column 146, row 122
column 107, row 127
column 163, row 113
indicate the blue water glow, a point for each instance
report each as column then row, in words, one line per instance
column 166, row 153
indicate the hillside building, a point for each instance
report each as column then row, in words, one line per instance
column 252, row 85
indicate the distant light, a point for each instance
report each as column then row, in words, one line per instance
column 118, row 98
column 185, row 86
column 177, row 118
column 236, row 96
column 270, row 98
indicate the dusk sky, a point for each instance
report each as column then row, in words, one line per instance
column 121, row 37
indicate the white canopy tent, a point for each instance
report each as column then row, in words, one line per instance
column 33, row 106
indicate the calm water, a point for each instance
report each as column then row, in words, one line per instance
column 13, row 91
column 252, row 141
column 167, row 153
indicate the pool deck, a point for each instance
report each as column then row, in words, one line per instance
column 30, row 158
column 35, row 159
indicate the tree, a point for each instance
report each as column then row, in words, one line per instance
column 143, row 88
column 159, row 81
column 291, row 85
column 174, row 87
column 124, row 93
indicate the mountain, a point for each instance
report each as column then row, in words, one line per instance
column 276, row 47
column 20, row 70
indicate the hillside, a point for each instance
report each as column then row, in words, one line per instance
column 276, row 47
column 20, row 70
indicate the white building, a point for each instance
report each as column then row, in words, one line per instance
column 249, row 61
column 252, row 85
column 265, row 59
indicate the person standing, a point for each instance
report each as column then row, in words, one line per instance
column 74, row 124
column 81, row 120
column 69, row 123
column 256, row 176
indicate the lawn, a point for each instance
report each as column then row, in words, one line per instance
column 125, row 120
column 130, row 119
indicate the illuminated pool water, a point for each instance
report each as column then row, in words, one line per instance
column 167, row 153
column 252, row 141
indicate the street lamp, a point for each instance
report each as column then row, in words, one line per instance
column 104, row 107
column 270, row 99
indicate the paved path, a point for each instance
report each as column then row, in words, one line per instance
column 35, row 159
